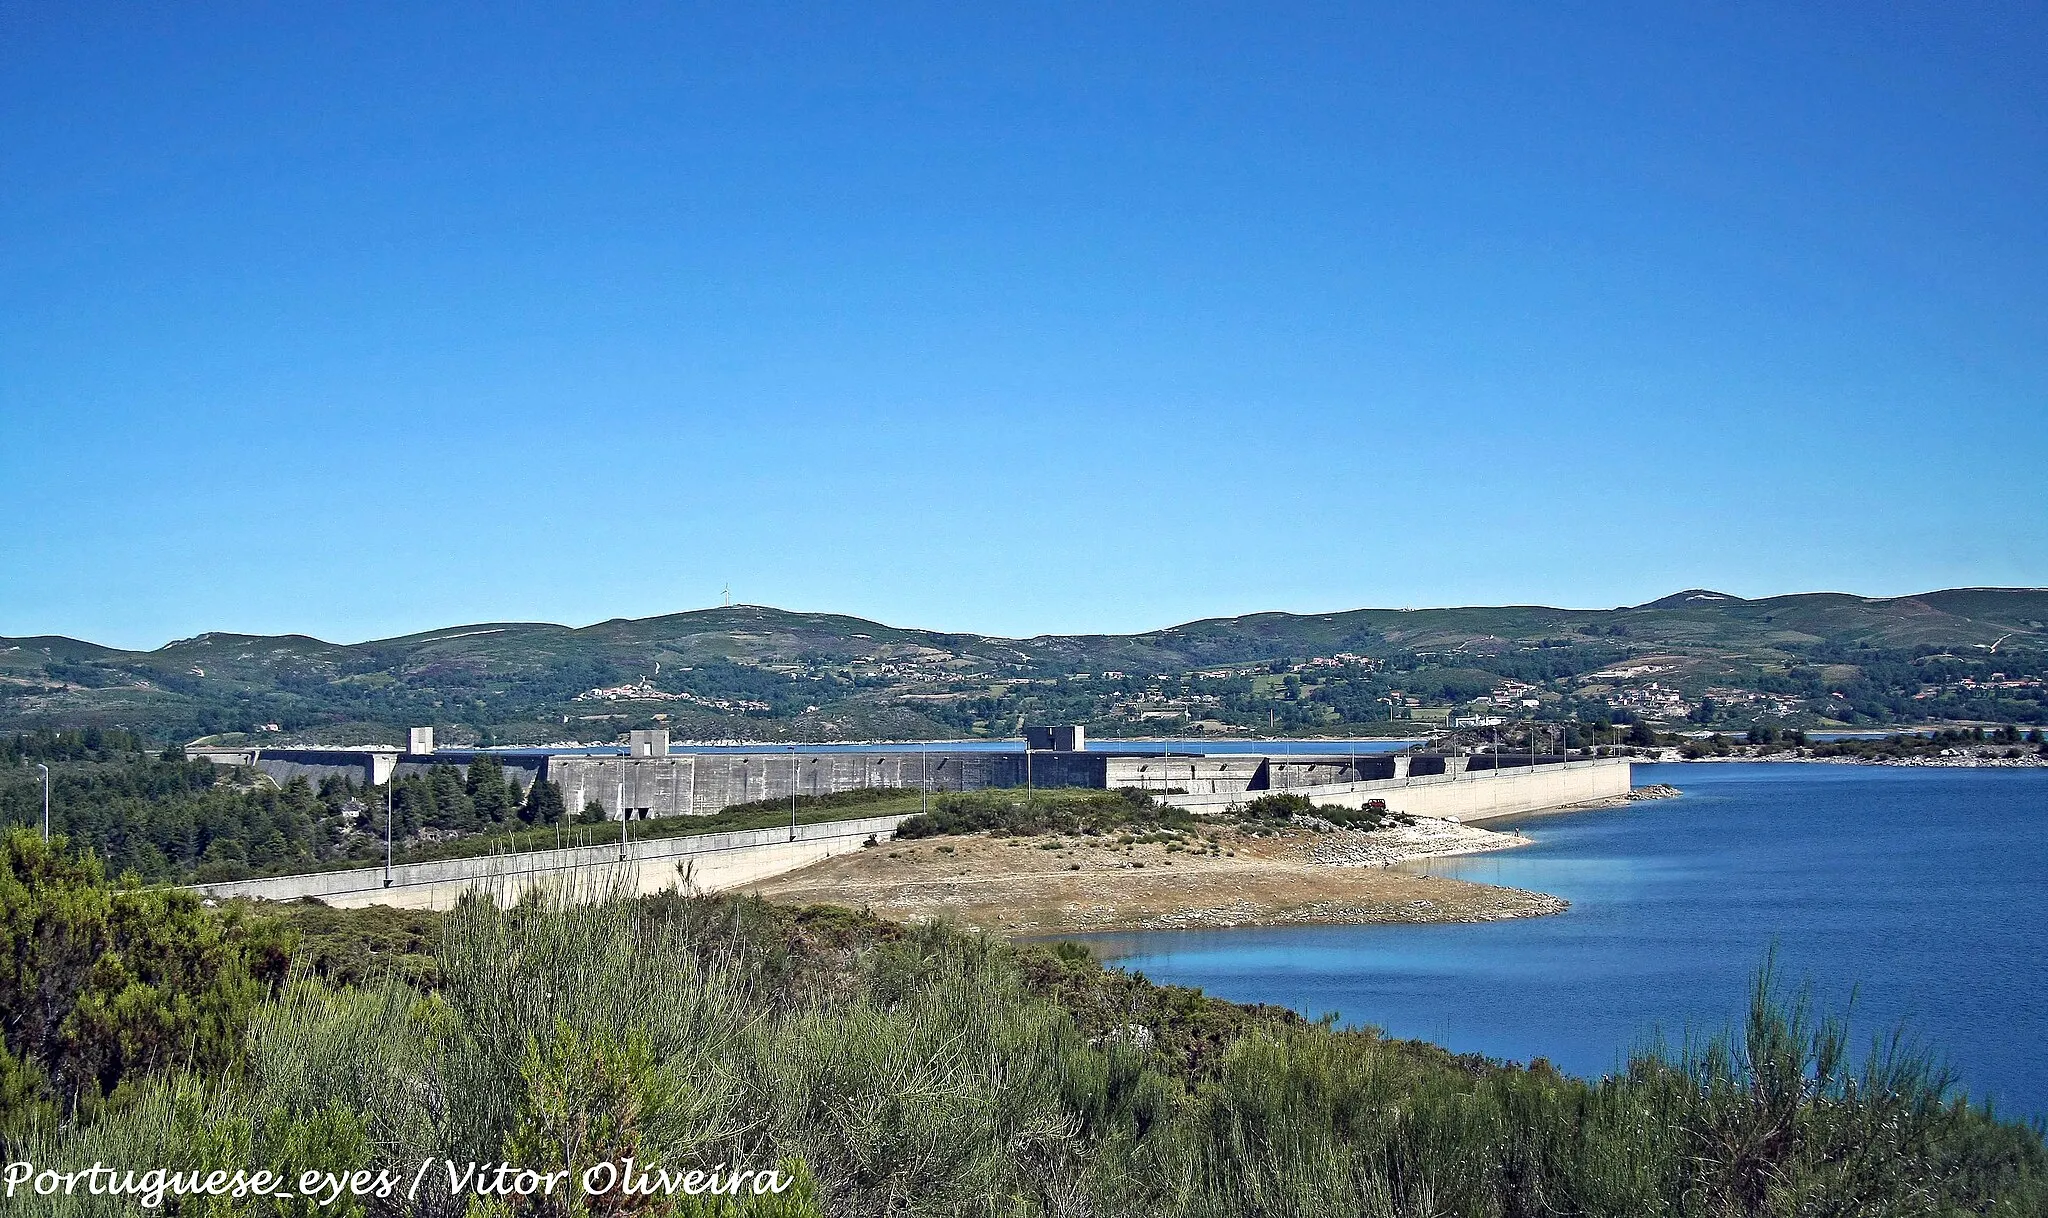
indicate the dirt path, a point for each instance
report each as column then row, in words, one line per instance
column 1036, row 886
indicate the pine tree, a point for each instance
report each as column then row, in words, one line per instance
column 486, row 787
column 544, row 804
column 452, row 807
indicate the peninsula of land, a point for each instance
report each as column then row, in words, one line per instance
column 1203, row 877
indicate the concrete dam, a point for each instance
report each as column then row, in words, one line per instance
column 650, row 781
column 647, row 779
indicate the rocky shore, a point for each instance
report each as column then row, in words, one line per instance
column 2025, row 761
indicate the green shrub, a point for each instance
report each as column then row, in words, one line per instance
column 747, row 812
column 1004, row 813
column 1281, row 807
column 101, row 984
column 924, row 1070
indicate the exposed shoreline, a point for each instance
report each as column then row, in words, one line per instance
column 1216, row 877
column 2026, row 761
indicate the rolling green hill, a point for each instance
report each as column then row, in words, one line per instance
column 753, row 672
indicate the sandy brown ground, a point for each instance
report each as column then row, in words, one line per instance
column 1037, row 886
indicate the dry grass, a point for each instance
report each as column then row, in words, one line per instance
column 1058, row 885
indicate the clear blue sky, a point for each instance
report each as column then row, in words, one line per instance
column 353, row 320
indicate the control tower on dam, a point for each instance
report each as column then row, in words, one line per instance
column 647, row 779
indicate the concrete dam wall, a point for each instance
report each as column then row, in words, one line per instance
column 1464, row 795
column 722, row 861
column 658, row 783
column 699, row 784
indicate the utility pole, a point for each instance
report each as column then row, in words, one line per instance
column 46, row 799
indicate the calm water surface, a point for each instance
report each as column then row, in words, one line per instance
column 1921, row 892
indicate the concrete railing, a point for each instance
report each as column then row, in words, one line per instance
column 1468, row 796
column 362, row 886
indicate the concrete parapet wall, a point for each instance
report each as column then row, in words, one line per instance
column 1287, row 774
column 1464, row 796
column 283, row 772
column 1198, row 774
column 717, row 860
column 525, row 768
column 363, row 767
column 699, row 784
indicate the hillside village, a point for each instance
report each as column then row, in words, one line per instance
column 1693, row 660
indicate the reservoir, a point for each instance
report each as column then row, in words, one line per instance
column 1917, row 892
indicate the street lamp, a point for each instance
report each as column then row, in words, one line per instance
column 792, row 792
column 390, row 780
column 46, row 799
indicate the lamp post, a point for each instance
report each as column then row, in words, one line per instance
column 792, row 792
column 390, row 780
column 46, row 799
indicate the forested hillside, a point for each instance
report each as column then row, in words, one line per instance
column 747, row 672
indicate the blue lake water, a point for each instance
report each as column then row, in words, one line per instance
column 1921, row 892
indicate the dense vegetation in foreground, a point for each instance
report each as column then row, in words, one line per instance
column 893, row 1071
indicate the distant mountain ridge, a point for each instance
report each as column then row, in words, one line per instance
column 752, row 664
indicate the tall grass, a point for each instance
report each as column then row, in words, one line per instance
column 929, row 1072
